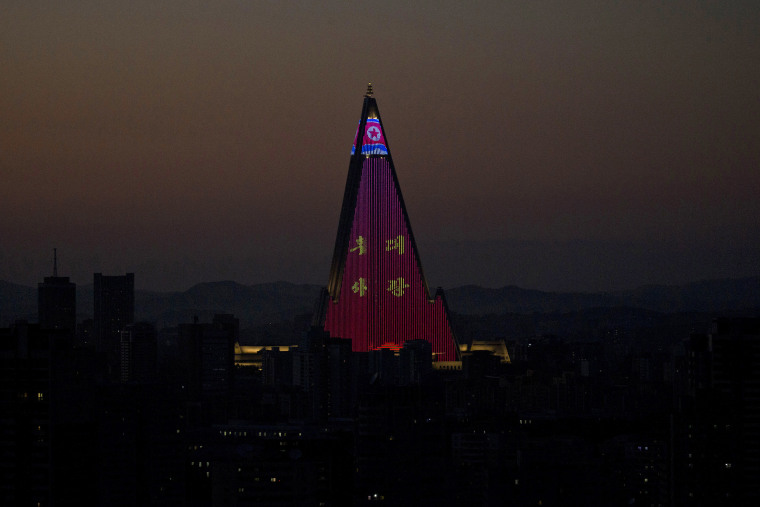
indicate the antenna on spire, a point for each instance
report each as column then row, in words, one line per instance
column 55, row 262
column 369, row 90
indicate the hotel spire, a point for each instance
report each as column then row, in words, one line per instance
column 377, row 294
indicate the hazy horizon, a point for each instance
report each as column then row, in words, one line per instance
column 478, row 265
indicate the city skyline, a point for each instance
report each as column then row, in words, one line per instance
column 551, row 146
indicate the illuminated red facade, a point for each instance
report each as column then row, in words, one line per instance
column 377, row 294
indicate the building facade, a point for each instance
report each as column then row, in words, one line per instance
column 114, row 309
column 377, row 295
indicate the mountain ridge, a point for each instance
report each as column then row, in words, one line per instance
column 260, row 304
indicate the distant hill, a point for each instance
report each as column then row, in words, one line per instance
column 707, row 295
column 264, row 304
column 703, row 296
column 254, row 305
column 475, row 300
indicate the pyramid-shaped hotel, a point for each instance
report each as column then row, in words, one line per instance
column 377, row 294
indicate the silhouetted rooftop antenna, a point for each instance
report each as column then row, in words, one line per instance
column 55, row 262
column 369, row 90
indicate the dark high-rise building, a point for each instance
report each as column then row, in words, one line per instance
column 57, row 302
column 414, row 362
column 42, row 449
column 138, row 353
column 720, row 445
column 377, row 295
column 114, row 309
column 25, row 359
column 277, row 367
column 207, row 354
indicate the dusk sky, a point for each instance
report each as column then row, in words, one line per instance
column 555, row 145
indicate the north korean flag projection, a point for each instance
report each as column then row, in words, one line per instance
column 378, row 295
column 374, row 140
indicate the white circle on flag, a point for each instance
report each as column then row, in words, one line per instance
column 373, row 133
